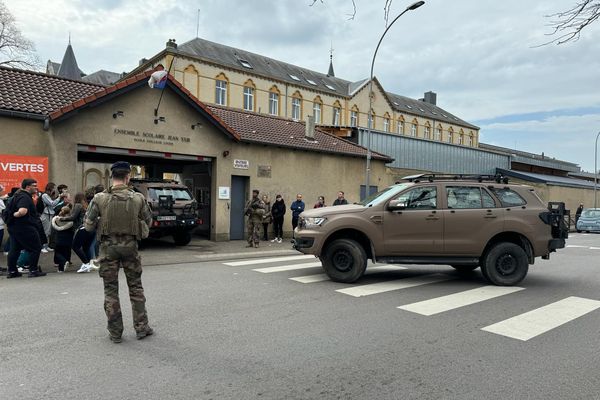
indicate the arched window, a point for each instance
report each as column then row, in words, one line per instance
column 414, row 128
column 317, row 109
column 221, row 83
column 297, row 106
column 386, row 122
column 354, row 116
column 400, row 126
column 190, row 79
column 471, row 142
column 337, row 113
column 450, row 135
column 461, row 137
column 438, row 133
column 371, row 120
column 274, row 100
column 249, row 89
column 427, row 131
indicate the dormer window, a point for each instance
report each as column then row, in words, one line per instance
column 245, row 63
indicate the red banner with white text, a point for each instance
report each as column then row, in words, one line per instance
column 13, row 169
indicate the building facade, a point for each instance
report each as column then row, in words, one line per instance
column 222, row 75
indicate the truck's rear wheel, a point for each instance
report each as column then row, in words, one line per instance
column 344, row 260
column 182, row 238
column 505, row 264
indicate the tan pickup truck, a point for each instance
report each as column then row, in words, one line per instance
column 465, row 222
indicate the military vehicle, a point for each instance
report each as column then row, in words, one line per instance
column 464, row 222
column 174, row 209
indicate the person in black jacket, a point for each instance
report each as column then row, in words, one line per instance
column 277, row 212
column 341, row 200
column 22, row 224
column 63, row 239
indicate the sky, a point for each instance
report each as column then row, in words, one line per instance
column 482, row 58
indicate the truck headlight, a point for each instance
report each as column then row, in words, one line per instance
column 312, row 222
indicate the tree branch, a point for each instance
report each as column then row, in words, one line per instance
column 567, row 25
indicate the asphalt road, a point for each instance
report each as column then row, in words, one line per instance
column 230, row 332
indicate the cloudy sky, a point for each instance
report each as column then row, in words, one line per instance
column 479, row 56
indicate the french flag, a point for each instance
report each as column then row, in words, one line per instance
column 158, row 79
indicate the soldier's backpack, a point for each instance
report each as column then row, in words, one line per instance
column 118, row 217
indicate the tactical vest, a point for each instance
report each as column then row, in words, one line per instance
column 119, row 212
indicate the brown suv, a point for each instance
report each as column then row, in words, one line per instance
column 464, row 222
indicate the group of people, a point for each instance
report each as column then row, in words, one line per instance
column 119, row 217
column 261, row 213
column 41, row 222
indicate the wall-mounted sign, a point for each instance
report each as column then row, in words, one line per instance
column 241, row 164
column 224, row 192
column 13, row 169
column 264, row 171
column 151, row 137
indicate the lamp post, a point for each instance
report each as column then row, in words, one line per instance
column 413, row 6
column 595, row 167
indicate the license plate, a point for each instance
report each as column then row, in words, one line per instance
column 166, row 218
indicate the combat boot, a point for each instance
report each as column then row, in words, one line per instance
column 36, row 274
column 13, row 275
column 115, row 339
column 146, row 332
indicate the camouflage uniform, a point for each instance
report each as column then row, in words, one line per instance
column 255, row 210
column 119, row 248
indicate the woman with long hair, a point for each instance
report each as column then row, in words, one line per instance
column 82, row 238
column 50, row 199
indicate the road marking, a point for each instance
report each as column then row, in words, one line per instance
column 594, row 248
column 291, row 267
column 267, row 260
column 457, row 300
column 543, row 319
column 381, row 287
column 575, row 245
column 311, row 278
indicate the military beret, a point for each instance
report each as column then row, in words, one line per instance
column 121, row 165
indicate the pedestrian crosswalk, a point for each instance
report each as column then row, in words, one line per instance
column 522, row 327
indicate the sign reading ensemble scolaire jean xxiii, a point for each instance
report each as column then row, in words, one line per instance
column 13, row 169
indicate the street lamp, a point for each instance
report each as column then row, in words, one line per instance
column 595, row 167
column 413, row 6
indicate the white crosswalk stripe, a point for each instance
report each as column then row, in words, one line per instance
column 533, row 323
column 291, row 267
column 257, row 261
column 311, row 278
column 382, row 287
column 457, row 300
column 324, row 277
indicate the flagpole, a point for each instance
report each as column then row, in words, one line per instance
column 163, row 89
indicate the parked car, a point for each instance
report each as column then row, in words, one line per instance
column 464, row 223
column 589, row 221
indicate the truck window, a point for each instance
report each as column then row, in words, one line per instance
column 177, row 193
column 421, row 198
column 508, row 197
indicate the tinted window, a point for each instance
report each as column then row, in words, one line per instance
column 177, row 193
column 508, row 197
column 488, row 200
column 463, row 197
column 423, row 198
column 590, row 213
column 382, row 195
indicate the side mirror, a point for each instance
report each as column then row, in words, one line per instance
column 395, row 205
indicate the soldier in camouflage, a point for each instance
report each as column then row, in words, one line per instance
column 255, row 210
column 121, row 218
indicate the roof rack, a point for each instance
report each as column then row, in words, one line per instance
column 152, row 180
column 498, row 178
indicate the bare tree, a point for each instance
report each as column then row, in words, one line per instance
column 386, row 9
column 567, row 25
column 15, row 49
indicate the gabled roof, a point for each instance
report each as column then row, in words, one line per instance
column 271, row 130
column 37, row 93
column 102, row 77
column 429, row 111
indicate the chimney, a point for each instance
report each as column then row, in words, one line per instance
column 143, row 61
column 430, row 97
column 310, row 128
column 171, row 44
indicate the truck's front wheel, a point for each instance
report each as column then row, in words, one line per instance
column 344, row 260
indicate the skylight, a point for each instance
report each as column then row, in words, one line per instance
column 409, row 106
column 329, row 86
column 245, row 63
column 396, row 104
column 311, row 82
column 421, row 109
column 294, row 77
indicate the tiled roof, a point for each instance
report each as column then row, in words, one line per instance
column 37, row 93
column 269, row 130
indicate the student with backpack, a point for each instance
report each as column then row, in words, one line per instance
column 49, row 199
